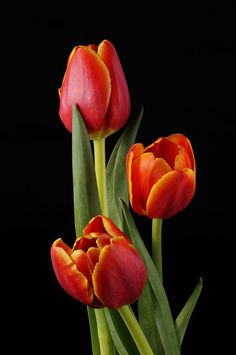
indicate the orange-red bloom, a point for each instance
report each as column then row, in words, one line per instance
column 103, row 269
column 161, row 177
column 95, row 81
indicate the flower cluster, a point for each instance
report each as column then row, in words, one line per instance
column 109, row 267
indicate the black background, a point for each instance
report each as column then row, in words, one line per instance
column 179, row 64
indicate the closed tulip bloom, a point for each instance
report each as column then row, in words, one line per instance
column 94, row 80
column 103, row 269
column 161, row 177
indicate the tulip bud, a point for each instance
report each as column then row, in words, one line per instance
column 161, row 177
column 94, row 80
column 103, row 269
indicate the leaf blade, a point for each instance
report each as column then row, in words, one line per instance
column 123, row 341
column 93, row 331
column 184, row 316
column 147, row 319
column 85, row 192
column 116, row 169
column 85, row 195
column 164, row 320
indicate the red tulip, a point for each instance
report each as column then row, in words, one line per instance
column 103, row 269
column 95, row 81
column 161, row 177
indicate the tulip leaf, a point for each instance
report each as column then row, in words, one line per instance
column 86, row 200
column 93, row 331
column 122, row 338
column 163, row 316
column 147, row 313
column 184, row 316
column 116, row 169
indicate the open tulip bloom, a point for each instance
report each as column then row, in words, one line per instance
column 109, row 268
column 161, row 177
column 103, row 269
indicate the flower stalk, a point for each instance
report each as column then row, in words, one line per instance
column 100, row 171
column 135, row 330
column 125, row 311
column 105, row 340
column 157, row 245
column 104, row 336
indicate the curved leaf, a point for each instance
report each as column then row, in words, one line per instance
column 86, row 200
column 147, row 314
column 184, row 316
column 163, row 314
column 123, row 341
column 116, row 170
column 93, row 331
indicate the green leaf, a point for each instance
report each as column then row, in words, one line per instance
column 164, row 319
column 93, row 331
column 116, row 170
column 86, row 199
column 123, row 341
column 104, row 334
column 147, row 314
column 184, row 316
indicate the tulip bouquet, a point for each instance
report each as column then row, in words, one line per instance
column 110, row 268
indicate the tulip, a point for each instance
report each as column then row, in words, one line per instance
column 94, row 80
column 103, row 269
column 161, row 177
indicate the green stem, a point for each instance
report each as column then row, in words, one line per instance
column 135, row 330
column 93, row 331
column 156, row 244
column 105, row 340
column 100, row 170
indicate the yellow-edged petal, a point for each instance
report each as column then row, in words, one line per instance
column 171, row 194
column 119, row 105
column 133, row 152
column 165, row 149
column 183, row 141
column 120, row 274
column 111, row 228
column 87, row 83
column 68, row 275
column 141, row 169
column 182, row 160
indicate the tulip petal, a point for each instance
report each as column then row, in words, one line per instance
column 119, row 263
column 184, row 142
column 103, row 239
column 79, row 257
column 164, row 148
column 95, row 225
column 69, row 277
column 85, row 242
column 119, row 106
column 68, row 62
column 133, row 153
column 159, row 168
column 87, row 83
column 171, row 194
column 182, row 160
column 140, row 181
column 111, row 228
column 102, row 224
column 92, row 258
